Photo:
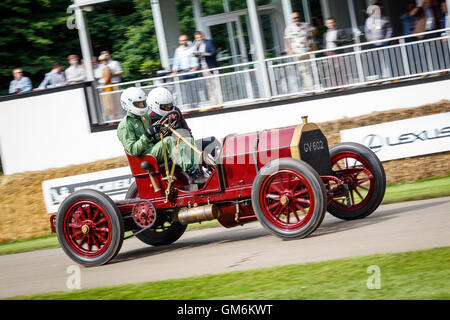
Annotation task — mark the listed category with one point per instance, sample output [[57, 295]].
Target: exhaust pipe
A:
[[198, 214]]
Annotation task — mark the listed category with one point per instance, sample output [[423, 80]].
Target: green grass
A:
[[43, 242], [422, 189], [410, 275]]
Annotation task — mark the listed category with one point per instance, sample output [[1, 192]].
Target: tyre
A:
[[289, 198], [89, 227], [362, 171], [163, 232]]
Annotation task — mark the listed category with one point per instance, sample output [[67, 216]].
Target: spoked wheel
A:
[[89, 227], [164, 230], [289, 198], [361, 170]]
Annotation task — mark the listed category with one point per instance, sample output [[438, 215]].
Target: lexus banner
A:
[[114, 183], [404, 138]]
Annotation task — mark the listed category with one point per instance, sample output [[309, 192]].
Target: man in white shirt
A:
[[377, 26], [298, 40], [114, 66], [184, 61], [332, 39], [75, 73]]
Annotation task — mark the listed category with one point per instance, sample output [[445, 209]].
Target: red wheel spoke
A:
[[102, 229], [288, 185], [89, 243], [362, 187], [278, 212], [274, 205], [299, 193], [298, 206], [94, 217], [362, 180], [273, 196], [88, 211], [276, 187], [102, 220], [296, 216], [82, 213], [305, 201], [295, 185], [359, 194], [101, 238], [352, 197], [95, 240]]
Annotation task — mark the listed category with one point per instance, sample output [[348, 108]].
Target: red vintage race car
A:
[[286, 178]]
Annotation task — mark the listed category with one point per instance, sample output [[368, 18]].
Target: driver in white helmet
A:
[[161, 102], [138, 135]]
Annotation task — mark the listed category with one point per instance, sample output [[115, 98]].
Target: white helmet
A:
[[130, 99], [160, 101]]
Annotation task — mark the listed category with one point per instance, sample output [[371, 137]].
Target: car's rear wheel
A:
[[289, 198], [164, 231], [364, 175], [89, 227]]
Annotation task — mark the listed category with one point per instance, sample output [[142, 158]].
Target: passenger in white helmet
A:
[[160, 101], [138, 135]]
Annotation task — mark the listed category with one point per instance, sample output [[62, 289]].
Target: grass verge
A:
[[419, 190], [337, 279]]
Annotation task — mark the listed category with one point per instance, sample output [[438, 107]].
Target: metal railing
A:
[[223, 86], [294, 75]]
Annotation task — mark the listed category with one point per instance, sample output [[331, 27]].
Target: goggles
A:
[[166, 107], [140, 104]]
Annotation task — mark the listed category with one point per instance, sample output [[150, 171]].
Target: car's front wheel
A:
[[289, 198], [89, 227]]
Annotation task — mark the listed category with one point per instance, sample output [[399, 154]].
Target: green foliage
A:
[[34, 34]]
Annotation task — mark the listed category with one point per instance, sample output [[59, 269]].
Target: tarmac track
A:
[[397, 227]]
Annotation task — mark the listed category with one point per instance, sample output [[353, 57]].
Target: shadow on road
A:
[[329, 226], [222, 236]]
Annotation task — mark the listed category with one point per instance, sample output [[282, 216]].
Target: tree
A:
[[33, 35]]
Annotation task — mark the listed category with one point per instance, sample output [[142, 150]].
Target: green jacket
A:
[[131, 133]]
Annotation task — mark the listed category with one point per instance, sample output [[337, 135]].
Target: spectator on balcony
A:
[[377, 26], [113, 65], [184, 61], [408, 18], [421, 21], [97, 68], [298, 40], [109, 107], [445, 21], [432, 16], [20, 84], [333, 37], [75, 73], [205, 51], [55, 78]]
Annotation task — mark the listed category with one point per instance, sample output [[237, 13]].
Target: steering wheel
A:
[[169, 121]]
